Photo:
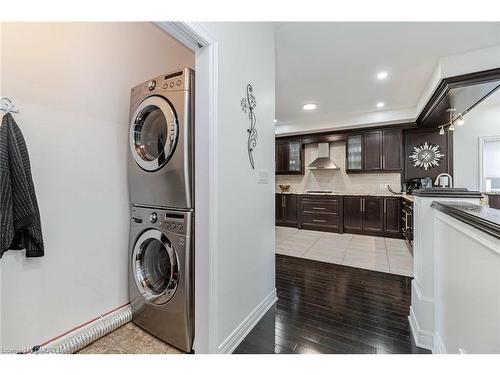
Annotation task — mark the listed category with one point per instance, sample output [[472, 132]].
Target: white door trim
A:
[[205, 46], [482, 141]]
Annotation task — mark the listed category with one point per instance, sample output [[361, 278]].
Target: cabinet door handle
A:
[[383, 162], [319, 208], [319, 221], [283, 201]]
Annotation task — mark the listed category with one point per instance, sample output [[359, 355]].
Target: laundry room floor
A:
[[129, 339]]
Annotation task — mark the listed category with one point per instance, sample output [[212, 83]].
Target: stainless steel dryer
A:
[[161, 278], [161, 162]]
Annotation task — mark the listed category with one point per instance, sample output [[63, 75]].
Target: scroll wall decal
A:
[[248, 105]]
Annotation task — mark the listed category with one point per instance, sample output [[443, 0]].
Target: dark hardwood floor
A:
[[329, 308]]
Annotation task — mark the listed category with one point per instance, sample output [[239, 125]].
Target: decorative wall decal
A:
[[248, 105], [426, 156]]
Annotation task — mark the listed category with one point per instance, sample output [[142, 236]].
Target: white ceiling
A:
[[335, 64]]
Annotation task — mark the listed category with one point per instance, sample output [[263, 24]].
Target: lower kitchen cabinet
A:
[[287, 210], [392, 215], [353, 213], [372, 215], [322, 213]]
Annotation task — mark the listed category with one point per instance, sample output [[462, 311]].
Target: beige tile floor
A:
[[129, 339], [374, 253]]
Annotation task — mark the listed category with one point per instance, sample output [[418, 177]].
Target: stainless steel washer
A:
[[161, 278], [161, 160]]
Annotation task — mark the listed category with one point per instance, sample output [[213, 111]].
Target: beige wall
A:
[[71, 82], [338, 180]]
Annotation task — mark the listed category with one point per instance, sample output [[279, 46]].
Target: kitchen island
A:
[[467, 284]]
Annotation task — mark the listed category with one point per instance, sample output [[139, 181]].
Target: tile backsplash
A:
[[338, 180]]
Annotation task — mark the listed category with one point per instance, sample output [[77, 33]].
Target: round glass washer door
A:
[[155, 267], [153, 133]]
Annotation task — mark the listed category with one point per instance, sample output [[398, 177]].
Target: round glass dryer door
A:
[[155, 267], [153, 133]]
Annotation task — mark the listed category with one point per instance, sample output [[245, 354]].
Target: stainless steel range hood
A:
[[323, 160]]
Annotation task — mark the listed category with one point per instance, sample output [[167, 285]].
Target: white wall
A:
[[484, 120], [243, 221], [72, 84], [338, 180]]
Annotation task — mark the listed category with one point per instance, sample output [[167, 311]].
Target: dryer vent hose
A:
[[86, 336]]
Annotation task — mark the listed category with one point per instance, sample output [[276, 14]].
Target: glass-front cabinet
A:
[[289, 157], [354, 152]]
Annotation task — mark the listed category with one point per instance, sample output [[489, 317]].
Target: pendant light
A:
[[460, 120], [441, 130]]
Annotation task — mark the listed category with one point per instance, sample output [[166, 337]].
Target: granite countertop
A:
[[447, 193], [492, 192], [406, 196], [483, 218]]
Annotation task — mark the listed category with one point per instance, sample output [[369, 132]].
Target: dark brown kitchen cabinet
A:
[[375, 151], [392, 215], [321, 212], [287, 210], [392, 150], [353, 214], [354, 153], [279, 212], [372, 151], [373, 214], [289, 156]]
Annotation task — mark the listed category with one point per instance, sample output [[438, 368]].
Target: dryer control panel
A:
[[178, 222], [176, 81]]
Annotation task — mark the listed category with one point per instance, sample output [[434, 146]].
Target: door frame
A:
[[205, 46]]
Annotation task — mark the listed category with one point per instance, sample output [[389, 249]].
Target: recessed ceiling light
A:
[[382, 75], [309, 106], [380, 104]]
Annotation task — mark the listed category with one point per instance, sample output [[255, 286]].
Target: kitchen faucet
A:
[[450, 183]]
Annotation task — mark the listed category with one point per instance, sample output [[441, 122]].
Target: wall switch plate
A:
[[263, 177]]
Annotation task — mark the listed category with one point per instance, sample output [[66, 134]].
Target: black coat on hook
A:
[[20, 226]]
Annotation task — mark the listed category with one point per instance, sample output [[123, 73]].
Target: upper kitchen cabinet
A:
[[354, 153], [289, 157], [392, 150], [375, 151], [372, 151]]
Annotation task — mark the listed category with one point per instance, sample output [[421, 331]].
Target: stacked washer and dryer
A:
[[161, 182]]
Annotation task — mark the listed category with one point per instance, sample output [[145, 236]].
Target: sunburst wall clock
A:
[[426, 156]]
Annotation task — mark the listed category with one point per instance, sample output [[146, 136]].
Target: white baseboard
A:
[[244, 328], [423, 339], [439, 347]]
